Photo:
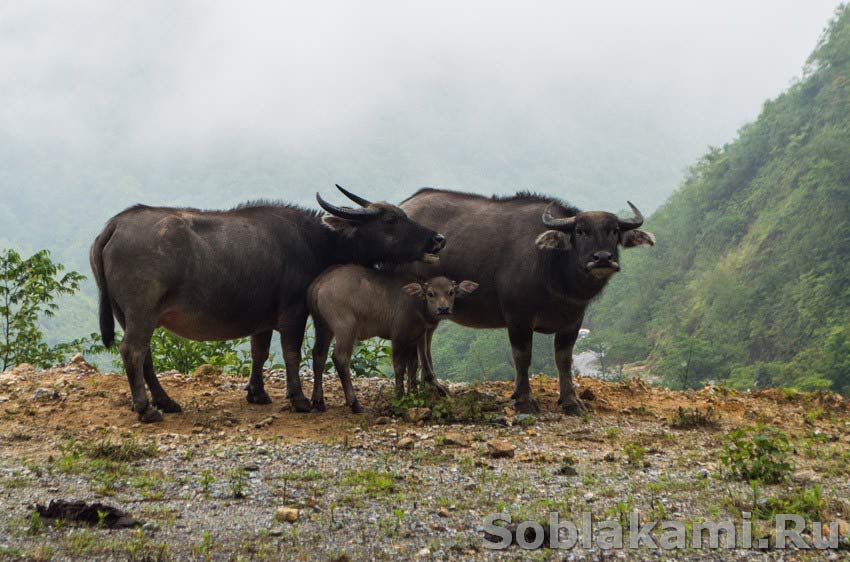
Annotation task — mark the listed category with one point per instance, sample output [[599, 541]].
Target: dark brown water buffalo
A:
[[352, 303], [540, 263], [218, 275]]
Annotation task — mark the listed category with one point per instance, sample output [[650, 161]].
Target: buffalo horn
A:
[[347, 212], [567, 223], [632, 223], [356, 198]]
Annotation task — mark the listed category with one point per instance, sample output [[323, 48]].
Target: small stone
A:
[[443, 512], [45, 394], [414, 415], [610, 457], [286, 515], [843, 528], [456, 439], [509, 411], [589, 497], [424, 552], [383, 420], [150, 527], [588, 395], [525, 420], [405, 443], [264, 422], [566, 470], [803, 476], [500, 449], [251, 467]]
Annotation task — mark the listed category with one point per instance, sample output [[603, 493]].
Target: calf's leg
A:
[[291, 339], [342, 362], [324, 336], [134, 348], [160, 398], [428, 376], [400, 357], [260, 344]]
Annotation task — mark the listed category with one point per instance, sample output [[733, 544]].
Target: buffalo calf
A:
[[353, 303]]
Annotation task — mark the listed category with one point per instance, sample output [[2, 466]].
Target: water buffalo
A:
[[217, 275], [353, 303], [543, 261]]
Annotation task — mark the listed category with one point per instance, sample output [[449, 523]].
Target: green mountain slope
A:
[[750, 279]]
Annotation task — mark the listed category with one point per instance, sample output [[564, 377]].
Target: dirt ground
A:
[[208, 483]]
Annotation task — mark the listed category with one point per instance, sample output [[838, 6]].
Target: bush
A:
[[759, 454]]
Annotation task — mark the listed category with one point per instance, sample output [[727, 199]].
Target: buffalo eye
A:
[[431, 294], [580, 232]]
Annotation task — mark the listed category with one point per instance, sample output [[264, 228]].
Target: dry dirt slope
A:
[[208, 483]]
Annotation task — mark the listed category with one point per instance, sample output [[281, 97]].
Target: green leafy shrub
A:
[[759, 454]]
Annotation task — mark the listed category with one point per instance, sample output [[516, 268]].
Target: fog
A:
[[590, 102]]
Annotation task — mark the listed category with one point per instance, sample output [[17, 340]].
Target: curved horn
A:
[[568, 223], [632, 223], [346, 212], [356, 198]]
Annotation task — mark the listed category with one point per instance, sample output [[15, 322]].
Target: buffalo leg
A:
[[260, 344], [160, 398], [320, 357], [412, 371], [134, 348], [291, 338], [567, 399], [428, 376], [521, 337], [342, 362], [401, 356]]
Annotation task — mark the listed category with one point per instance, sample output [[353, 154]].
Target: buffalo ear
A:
[[553, 240], [414, 290], [337, 224], [465, 288], [635, 238]]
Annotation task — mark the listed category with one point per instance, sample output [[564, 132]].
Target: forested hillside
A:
[[750, 281]]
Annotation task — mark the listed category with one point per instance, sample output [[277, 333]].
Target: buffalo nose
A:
[[439, 242], [601, 256], [444, 310]]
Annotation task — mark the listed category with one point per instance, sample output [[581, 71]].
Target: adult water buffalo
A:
[[218, 275], [539, 262]]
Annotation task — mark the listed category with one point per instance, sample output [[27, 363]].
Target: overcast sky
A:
[[188, 72]]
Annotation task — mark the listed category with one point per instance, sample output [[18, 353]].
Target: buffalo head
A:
[[594, 237], [440, 293], [382, 232]]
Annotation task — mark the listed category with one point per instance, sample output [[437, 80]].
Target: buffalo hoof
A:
[[574, 408], [301, 404], [527, 406], [356, 407], [150, 415], [168, 406], [258, 397], [437, 387], [319, 405]]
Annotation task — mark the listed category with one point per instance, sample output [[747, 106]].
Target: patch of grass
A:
[[807, 502], [126, 449], [635, 454], [612, 432], [694, 418], [759, 453], [236, 480], [372, 482], [309, 475], [203, 548]]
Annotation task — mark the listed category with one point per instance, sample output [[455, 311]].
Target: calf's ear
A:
[[465, 288], [343, 226], [635, 238], [553, 240], [414, 290]]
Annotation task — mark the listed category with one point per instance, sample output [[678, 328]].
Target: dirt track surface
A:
[[215, 482]]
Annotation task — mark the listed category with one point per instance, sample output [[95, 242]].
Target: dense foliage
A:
[[750, 282]]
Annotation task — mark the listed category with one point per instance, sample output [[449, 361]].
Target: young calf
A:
[[354, 303]]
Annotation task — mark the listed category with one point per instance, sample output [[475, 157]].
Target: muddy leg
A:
[[134, 348], [291, 338], [412, 371], [567, 399], [260, 344], [320, 357], [520, 336], [160, 398], [342, 361], [428, 376], [399, 365]]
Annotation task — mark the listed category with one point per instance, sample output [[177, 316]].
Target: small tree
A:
[[28, 288]]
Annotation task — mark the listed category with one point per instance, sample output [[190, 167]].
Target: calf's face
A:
[[439, 294]]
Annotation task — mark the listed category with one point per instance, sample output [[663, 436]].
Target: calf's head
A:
[[439, 294], [383, 232], [594, 237]]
